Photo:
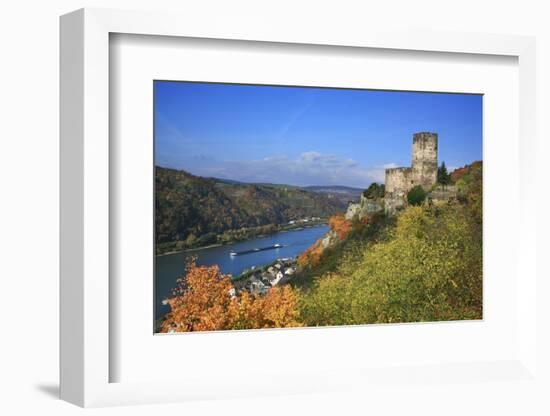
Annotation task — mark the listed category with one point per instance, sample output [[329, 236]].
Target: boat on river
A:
[[255, 250]]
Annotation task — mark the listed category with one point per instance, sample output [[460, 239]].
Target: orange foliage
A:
[[312, 256], [203, 303], [340, 226], [460, 172], [277, 309]]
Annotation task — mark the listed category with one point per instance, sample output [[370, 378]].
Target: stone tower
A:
[[424, 159], [399, 181]]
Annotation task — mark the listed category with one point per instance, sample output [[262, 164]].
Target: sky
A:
[[307, 136]]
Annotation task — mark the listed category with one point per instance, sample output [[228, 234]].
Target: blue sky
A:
[[307, 136]]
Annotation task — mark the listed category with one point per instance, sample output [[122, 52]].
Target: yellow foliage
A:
[[430, 268]]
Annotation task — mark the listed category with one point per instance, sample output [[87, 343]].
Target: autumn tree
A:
[[204, 301], [201, 301], [340, 226], [277, 309]]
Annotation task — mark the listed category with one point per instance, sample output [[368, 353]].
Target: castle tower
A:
[[424, 159]]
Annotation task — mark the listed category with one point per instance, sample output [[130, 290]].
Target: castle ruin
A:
[[423, 172]]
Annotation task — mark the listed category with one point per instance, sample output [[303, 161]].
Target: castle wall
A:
[[398, 183], [424, 159], [443, 193], [398, 179]]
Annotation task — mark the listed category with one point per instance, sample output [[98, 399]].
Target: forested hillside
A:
[[425, 264], [195, 211]]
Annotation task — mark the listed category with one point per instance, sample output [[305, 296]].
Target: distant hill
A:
[[343, 193], [189, 206], [234, 182]]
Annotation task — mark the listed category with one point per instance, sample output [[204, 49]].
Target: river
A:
[[171, 266]]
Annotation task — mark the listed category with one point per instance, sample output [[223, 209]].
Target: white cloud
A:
[[390, 165], [310, 168]]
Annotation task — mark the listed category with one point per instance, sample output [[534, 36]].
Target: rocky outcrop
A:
[[363, 208]]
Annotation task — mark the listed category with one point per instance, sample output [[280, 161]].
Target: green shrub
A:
[[416, 195], [374, 191]]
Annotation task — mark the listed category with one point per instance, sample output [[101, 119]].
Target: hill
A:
[[194, 211], [343, 193], [423, 264]]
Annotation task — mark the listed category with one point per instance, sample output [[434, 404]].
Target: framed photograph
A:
[[297, 206], [288, 207]]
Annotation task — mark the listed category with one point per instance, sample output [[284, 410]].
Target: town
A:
[[258, 281]]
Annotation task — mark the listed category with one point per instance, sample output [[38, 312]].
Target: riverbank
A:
[[166, 249], [188, 250]]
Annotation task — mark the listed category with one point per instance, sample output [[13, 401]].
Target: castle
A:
[[423, 172]]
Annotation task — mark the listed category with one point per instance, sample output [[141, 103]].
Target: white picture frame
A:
[[86, 355]]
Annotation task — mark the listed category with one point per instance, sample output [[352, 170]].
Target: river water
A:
[[169, 267]]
